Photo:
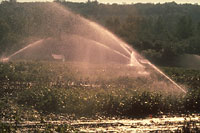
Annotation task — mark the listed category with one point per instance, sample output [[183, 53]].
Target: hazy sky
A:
[[128, 1], [142, 1]]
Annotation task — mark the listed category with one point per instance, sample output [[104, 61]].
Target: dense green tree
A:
[[113, 24], [193, 46], [198, 28], [159, 26], [4, 29], [184, 27]]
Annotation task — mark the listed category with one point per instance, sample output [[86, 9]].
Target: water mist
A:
[[77, 39]]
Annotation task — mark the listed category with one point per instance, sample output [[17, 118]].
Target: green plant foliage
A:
[[6, 128], [44, 88]]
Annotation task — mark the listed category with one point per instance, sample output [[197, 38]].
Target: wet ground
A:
[[161, 124]]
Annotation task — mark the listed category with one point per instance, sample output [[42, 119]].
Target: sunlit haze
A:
[[129, 1]]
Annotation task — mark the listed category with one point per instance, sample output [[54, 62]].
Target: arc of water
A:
[[158, 70], [41, 40], [30, 45], [115, 51], [123, 45], [105, 46]]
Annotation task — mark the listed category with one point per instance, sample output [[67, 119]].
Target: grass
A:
[[36, 90]]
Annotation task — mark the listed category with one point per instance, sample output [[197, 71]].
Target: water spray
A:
[[105, 46], [120, 42], [6, 59], [134, 62], [30, 45], [122, 48], [158, 70]]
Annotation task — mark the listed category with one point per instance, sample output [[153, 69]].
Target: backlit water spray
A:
[[133, 59], [79, 37], [6, 59], [158, 70]]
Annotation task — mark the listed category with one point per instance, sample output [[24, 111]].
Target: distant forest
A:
[[160, 32]]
